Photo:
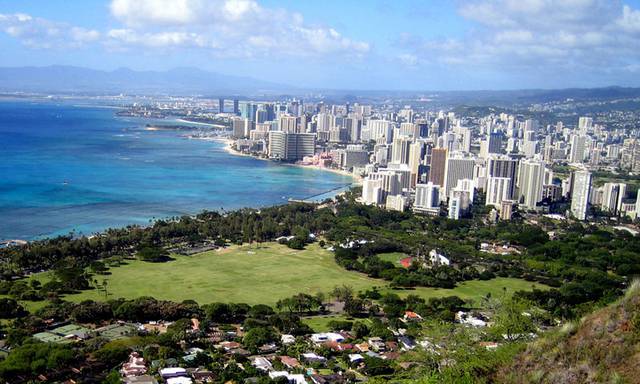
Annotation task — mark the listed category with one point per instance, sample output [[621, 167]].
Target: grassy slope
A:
[[603, 347], [265, 275], [393, 257], [477, 289], [236, 274]]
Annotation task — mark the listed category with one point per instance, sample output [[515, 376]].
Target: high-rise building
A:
[[438, 166], [613, 196], [492, 144], [631, 155], [248, 110], [396, 202], [457, 168], [355, 156], [221, 105], [503, 166], [288, 123], [498, 189], [580, 194], [354, 127], [400, 149], [371, 190], [531, 125], [239, 126], [325, 122], [291, 146], [585, 124], [577, 148], [427, 198], [454, 207], [506, 210], [531, 182], [379, 129], [423, 128], [236, 107], [465, 145], [419, 158], [378, 185], [261, 116]]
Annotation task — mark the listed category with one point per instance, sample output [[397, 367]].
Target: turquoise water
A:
[[66, 168]]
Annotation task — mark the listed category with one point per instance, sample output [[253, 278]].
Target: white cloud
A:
[[41, 33], [535, 35], [164, 12], [408, 59], [238, 27], [630, 20], [158, 40], [227, 28]]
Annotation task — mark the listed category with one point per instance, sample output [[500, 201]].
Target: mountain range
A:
[[60, 79], [70, 79]]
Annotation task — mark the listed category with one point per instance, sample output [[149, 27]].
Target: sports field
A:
[[237, 274], [259, 275]]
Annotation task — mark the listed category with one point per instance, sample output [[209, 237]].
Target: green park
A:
[[255, 274]]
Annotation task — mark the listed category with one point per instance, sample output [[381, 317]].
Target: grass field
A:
[[393, 257], [258, 275], [321, 323], [237, 274], [476, 289]]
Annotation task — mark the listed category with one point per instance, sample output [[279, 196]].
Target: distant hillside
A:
[[603, 348], [69, 79]]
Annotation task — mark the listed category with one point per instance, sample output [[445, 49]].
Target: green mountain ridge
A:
[[603, 347]]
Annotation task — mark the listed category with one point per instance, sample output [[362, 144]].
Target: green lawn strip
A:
[[256, 275], [321, 323], [393, 257], [243, 274], [474, 289]]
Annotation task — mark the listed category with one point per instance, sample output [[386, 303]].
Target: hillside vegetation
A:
[[603, 347]]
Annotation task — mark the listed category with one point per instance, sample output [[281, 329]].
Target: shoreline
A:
[[218, 126], [357, 180]]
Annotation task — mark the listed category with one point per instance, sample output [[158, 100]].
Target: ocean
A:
[[67, 168]]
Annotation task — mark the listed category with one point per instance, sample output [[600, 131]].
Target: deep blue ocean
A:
[[74, 168]]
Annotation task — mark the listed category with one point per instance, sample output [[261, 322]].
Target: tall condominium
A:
[[492, 144], [531, 125], [613, 196], [239, 126], [378, 185], [419, 160], [400, 149], [354, 127], [577, 148], [498, 190], [438, 166], [457, 168], [291, 146], [503, 166], [325, 122], [585, 124], [427, 198], [531, 182], [454, 207], [580, 194], [379, 129], [288, 123]]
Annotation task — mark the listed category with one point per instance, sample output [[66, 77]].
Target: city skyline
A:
[[408, 45]]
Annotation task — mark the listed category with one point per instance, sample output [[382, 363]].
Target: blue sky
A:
[[411, 44]]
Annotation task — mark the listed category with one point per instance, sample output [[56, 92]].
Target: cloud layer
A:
[[496, 43], [41, 33], [228, 28], [512, 35]]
